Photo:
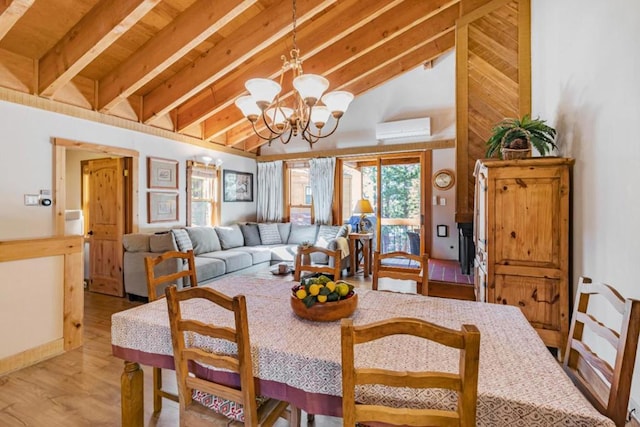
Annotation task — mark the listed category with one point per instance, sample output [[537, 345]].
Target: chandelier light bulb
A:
[[338, 101], [310, 87], [263, 91]]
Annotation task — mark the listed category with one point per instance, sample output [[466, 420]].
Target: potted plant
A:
[[513, 138]]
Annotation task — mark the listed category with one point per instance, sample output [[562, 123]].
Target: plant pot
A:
[[512, 153]]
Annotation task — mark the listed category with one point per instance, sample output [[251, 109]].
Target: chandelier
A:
[[305, 115]]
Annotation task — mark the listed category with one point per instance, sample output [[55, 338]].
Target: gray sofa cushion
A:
[[283, 253], [208, 268], [234, 260], [183, 241], [269, 234], [230, 236], [203, 239], [251, 234], [136, 242], [302, 233], [259, 254], [162, 242]]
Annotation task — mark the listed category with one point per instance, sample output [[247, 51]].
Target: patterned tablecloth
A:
[[520, 383]]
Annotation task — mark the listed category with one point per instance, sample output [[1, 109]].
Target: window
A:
[[203, 194], [299, 195]]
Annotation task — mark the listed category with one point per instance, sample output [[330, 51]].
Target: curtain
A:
[[321, 178], [270, 207]]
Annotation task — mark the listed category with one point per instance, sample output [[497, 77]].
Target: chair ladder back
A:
[[154, 281], [183, 354], [586, 368], [419, 273], [304, 253], [465, 383]]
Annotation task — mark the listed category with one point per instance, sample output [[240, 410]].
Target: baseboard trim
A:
[[31, 356]]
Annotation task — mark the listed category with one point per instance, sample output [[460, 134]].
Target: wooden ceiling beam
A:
[[384, 54], [10, 12], [95, 32], [254, 36], [382, 30], [313, 36], [192, 27]]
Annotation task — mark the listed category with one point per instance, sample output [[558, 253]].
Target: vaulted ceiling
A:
[[180, 64]]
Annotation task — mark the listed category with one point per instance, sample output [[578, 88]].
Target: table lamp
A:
[[363, 207]]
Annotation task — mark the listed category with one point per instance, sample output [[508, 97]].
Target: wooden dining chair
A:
[[167, 263], [304, 263], [464, 383], [606, 387], [201, 399], [402, 266]]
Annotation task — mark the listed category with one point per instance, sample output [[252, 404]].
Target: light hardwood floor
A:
[[82, 387]]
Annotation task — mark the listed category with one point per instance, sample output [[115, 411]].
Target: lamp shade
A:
[[263, 90], [337, 100], [248, 106], [320, 114], [279, 115], [363, 206], [310, 86]]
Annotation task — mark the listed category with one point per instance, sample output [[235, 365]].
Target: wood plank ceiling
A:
[[180, 64]]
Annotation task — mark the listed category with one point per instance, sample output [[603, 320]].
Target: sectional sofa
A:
[[222, 250]]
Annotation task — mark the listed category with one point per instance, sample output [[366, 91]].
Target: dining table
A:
[[520, 383]]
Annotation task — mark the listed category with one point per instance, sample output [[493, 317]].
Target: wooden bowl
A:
[[325, 312]]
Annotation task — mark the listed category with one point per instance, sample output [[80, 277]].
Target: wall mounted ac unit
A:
[[412, 128]]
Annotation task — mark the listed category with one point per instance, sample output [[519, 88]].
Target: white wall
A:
[[73, 175], [27, 166], [443, 247], [585, 77]]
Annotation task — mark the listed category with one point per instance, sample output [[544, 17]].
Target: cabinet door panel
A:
[[527, 223], [537, 297]]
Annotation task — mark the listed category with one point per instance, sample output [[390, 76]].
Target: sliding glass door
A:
[[394, 187]]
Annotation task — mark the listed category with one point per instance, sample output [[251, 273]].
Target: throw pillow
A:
[[204, 240], [251, 234], [302, 233], [230, 236], [269, 234], [182, 239], [162, 242]]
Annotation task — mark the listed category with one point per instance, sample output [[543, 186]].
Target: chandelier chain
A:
[[295, 42]]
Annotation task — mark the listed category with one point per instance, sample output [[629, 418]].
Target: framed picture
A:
[[237, 186], [443, 230], [162, 207], [162, 173]]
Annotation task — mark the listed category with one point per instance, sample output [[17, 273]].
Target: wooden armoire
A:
[[521, 234]]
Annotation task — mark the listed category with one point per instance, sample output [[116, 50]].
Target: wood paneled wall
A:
[[493, 77]]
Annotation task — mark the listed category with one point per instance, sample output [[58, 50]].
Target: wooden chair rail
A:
[[586, 368]]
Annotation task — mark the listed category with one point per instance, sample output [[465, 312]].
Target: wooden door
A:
[[106, 225]]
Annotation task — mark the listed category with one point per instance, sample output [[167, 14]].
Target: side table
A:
[[360, 243]]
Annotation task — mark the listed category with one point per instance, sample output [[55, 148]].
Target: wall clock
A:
[[443, 179]]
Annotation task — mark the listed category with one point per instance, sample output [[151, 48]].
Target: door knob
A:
[[90, 233]]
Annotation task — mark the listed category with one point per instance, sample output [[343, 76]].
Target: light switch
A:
[[443, 201], [31, 199]]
